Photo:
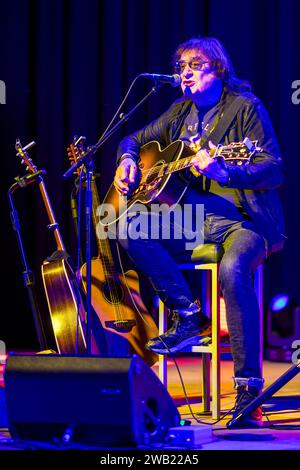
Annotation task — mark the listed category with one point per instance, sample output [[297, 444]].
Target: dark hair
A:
[[217, 55]]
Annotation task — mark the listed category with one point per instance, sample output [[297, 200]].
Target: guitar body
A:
[[154, 185], [65, 306], [116, 309], [158, 170]]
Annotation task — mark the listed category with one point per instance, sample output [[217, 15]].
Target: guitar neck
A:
[[22, 153], [234, 152], [178, 165], [53, 223], [103, 245]]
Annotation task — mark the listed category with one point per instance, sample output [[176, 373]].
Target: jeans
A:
[[244, 251]]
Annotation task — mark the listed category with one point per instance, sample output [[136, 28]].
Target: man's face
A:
[[194, 81]]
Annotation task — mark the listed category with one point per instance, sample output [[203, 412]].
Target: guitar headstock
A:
[[76, 150], [25, 160], [238, 153]]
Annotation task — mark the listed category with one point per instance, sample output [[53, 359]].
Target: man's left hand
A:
[[210, 167]]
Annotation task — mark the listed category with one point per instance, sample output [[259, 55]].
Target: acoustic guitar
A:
[[158, 169], [65, 304], [116, 296]]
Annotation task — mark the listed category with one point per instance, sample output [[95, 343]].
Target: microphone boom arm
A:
[[123, 118]]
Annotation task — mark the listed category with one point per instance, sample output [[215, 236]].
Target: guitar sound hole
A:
[[153, 174], [113, 293]]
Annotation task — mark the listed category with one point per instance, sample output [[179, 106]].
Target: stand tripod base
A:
[[277, 385]]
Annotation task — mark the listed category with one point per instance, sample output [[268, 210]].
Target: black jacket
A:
[[257, 181]]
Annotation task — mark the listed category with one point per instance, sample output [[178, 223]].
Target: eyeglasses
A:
[[194, 64]]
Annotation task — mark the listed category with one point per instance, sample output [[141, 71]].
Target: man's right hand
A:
[[125, 176]]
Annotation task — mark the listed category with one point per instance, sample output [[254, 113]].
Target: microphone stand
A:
[[88, 222], [87, 161]]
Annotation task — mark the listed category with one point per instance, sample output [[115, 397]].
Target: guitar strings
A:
[[104, 250]]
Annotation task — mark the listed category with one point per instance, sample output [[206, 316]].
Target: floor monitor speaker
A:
[[106, 401]]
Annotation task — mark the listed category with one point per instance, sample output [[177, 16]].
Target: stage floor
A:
[[281, 410]]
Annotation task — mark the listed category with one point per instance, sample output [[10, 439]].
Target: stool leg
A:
[[205, 382], [206, 292], [162, 359], [215, 318], [206, 361], [258, 286]]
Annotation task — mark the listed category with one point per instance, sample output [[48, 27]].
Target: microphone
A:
[[173, 80]]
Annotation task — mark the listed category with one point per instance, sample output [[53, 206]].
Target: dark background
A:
[[67, 65]]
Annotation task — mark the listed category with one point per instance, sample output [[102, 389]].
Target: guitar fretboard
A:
[[234, 151], [178, 165]]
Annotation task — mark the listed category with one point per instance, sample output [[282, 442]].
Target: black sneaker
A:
[[246, 395], [182, 333]]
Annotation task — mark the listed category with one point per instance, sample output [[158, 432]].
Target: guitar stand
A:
[[273, 388], [28, 276]]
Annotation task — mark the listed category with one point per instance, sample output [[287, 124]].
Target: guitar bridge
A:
[[122, 326]]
